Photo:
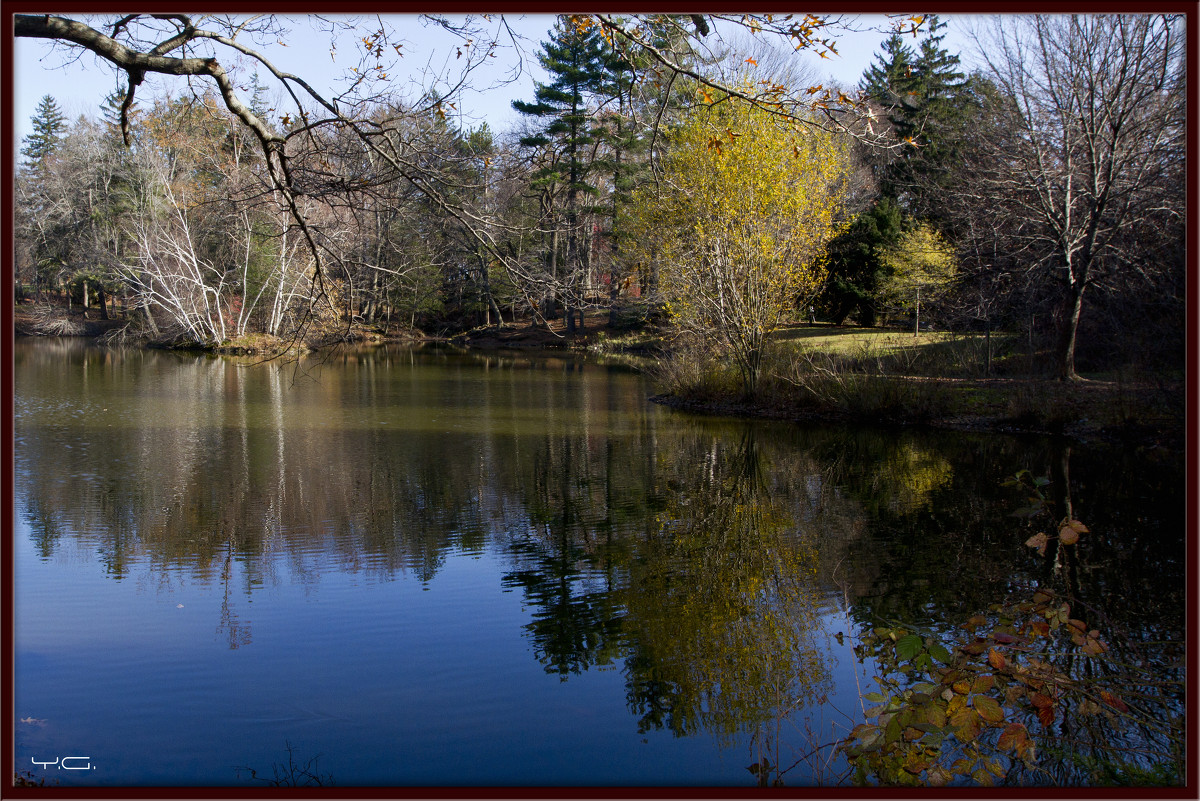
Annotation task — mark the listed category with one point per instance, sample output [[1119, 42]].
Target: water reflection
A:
[[697, 557]]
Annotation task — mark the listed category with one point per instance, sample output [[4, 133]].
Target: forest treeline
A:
[[1042, 193]]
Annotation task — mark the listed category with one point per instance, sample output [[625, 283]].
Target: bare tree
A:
[[205, 48], [1084, 161]]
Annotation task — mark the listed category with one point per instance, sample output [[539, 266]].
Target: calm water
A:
[[425, 568]]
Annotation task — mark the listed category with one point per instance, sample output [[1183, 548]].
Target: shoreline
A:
[[1082, 431], [599, 340]]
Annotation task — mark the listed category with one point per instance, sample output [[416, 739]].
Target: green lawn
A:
[[849, 339]]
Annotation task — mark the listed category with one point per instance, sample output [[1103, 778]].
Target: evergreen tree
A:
[[886, 81], [928, 102], [49, 126], [856, 262], [258, 97], [577, 61], [110, 112]]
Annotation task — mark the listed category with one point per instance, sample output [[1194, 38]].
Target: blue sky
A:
[[80, 87]]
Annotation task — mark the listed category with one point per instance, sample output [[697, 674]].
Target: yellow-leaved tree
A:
[[920, 265], [737, 226]]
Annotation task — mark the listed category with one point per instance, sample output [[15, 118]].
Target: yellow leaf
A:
[[988, 709]]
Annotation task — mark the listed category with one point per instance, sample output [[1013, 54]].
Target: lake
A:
[[421, 567]]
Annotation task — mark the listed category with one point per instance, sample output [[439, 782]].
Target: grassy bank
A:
[[937, 379], [822, 372]]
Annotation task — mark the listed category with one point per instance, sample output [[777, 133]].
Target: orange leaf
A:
[[1113, 701], [1041, 701], [1012, 735], [996, 659], [976, 648]]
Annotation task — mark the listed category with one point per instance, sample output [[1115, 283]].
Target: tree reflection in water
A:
[[698, 555], [713, 606]]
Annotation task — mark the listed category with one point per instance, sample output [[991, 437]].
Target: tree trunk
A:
[[150, 320], [917, 315], [1065, 355], [103, 299], [987, 337]]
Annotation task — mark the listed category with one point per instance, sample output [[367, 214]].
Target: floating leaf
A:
[[892, 732], [860, 731], [908, 647], [1093, 645], [983, 778], [996, 659], [938, 776], [983, 684], [976, 648], [1113, 701], [967, 723], [988, 709], [940, 653], [1013, 734]]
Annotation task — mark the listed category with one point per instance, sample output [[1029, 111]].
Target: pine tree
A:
[[928, 102], [110, 112], [577, 61], [49, 126], [888, 79]]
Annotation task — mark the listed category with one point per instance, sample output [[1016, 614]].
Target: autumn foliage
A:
[[738, 224]]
